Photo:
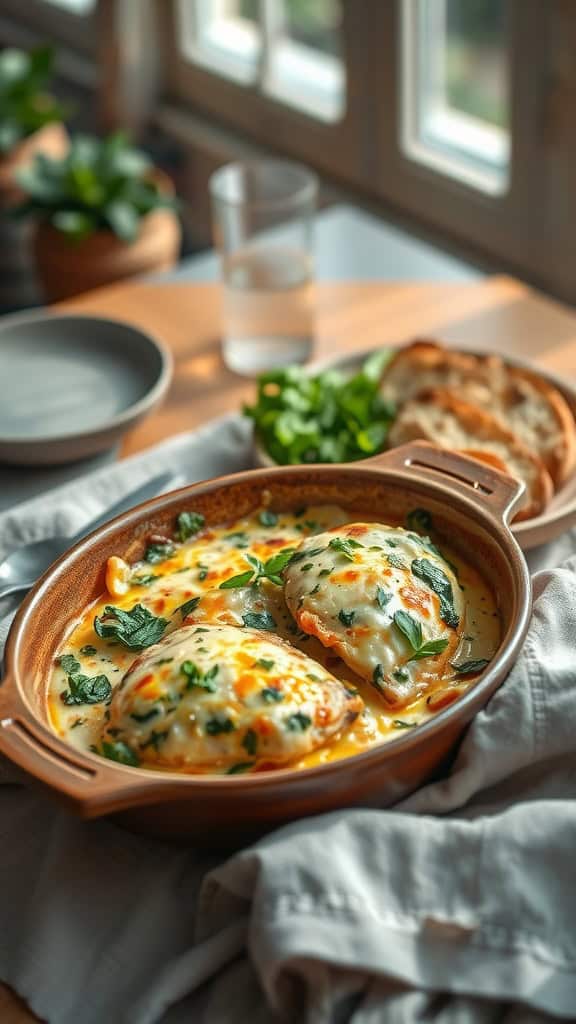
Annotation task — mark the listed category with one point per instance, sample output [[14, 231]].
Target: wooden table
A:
[[498, 313]]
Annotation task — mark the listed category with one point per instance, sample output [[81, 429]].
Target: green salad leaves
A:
[[323, 418]]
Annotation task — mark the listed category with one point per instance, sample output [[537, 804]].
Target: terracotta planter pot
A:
[[18, 285], [67, 268], [51, 140]]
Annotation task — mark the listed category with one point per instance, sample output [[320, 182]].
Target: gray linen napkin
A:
[[457, 906]]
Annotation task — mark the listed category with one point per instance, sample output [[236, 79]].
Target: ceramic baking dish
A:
[[470, 504]]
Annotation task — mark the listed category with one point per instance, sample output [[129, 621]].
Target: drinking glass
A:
[[263, 218]]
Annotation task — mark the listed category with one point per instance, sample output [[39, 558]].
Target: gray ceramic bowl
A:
[[71, 386]]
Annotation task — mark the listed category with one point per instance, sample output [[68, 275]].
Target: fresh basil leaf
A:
[[419, 520], [188, 606], [135, 629], [345, 546], [259, 620], [275, 564], [434, 577], [383, 597], [430, 648], [410, 628], [156, 553], [121, 752], [268, 518], [250, 742], [346, 618], [298, 722], [467, 668], [242, 580]]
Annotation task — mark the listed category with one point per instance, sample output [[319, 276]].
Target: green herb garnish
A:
[[268, 518], [188, 607], [135, 629], [412, 630], [88, 650], [399, 723], [383, 597], [239, 768], [271, 695], [396, 562], [250, 742], [430, 648], [300, 418], [467, 668], [326, 572], [188, 524], [143, 581], [269, 570], [195, 677], [145, 716], [345, 546], [217, 726], [298, 722], [121, 752], [259, 620], [241, 580], [265, 663], [158, 552], [346, 618], [83, 689], [433, 576], [154, 740]]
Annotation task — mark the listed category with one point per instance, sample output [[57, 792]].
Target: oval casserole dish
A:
[[470, 504]]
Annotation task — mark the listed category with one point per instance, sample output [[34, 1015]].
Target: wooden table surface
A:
[[496, 313]]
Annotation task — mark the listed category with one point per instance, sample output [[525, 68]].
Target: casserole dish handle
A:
[[496, 491], [91, 789]]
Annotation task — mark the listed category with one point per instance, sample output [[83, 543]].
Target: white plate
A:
[[560, 514]]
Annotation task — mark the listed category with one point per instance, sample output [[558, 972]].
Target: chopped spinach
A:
[[195, 677], [396, 562], [268, 518], [345, 546], [271, 695], [259, 620], [155, 739], [399, 723], [217, 726], [383, 597], [239, 768], [250, 742], [143, 581], [265, 663], [135, 629], [83, 689], [88, 650], [346, 618], [119, 751], [188, 524], [298, 722], [156, 553]]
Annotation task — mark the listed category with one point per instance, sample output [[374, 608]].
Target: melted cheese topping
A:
[[381, 597], [182, 586]]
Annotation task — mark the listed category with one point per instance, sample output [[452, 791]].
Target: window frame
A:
[[76, 31]]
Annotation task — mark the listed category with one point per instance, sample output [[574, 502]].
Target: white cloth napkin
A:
[[458, 906]]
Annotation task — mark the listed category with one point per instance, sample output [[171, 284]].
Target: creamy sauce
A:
[[200, 565]]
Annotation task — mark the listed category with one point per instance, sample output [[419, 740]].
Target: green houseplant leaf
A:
[[25, 107], [100, 185]]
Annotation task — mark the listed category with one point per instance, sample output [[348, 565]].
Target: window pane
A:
[[221, 35], [305, 67], [74, 6], [455, 78]]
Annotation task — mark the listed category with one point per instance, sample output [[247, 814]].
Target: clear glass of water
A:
[[263, 218]]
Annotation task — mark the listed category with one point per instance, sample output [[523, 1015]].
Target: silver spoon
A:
[[21, 568]]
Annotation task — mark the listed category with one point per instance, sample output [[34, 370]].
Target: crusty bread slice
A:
[[521, 399], [439, 416]]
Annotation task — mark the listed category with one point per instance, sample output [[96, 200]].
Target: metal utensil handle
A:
[[465, 475]]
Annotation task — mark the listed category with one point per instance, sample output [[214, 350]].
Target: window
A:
[[455, 89], [288, 49]]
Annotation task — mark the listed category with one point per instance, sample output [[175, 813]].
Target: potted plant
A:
[[101, 213], [30, 123]]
